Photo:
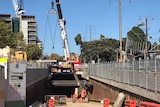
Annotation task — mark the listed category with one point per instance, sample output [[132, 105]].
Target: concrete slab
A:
[[119, 100]]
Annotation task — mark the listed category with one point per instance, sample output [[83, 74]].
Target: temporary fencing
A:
[[58, 99], [130, 103], [106, 102], [148, 104]]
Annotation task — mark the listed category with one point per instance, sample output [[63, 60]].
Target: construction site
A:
[[71, 82]]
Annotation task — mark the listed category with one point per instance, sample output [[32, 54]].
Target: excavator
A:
[[63, 73]]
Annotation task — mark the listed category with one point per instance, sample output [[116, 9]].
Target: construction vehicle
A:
[[69, 59], [63, 73], [13, 56], [18, 56]]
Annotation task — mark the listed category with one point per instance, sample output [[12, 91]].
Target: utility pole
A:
[[146, 45], [90, 33], [120, 29], [146, 38], [90, 30]]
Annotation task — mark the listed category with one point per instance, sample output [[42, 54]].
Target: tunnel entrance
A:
[[63, 84], [67, 90]]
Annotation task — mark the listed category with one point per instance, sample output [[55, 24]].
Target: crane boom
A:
[[18, 7], [62, 24]]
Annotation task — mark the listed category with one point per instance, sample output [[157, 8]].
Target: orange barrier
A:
[[130, 103], [148, 104], [106, 102], [51, 102], [83, 93]]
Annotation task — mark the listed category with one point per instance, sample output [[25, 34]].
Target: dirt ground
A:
[[77, 104], [71, 104]]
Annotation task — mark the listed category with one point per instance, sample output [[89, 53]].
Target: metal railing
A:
[[35, 65], [142, 73], [32, 65]]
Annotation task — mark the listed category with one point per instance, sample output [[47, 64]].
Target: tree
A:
[[136, 34], [136, 45], [16, 42], [54, 56], [19, 37], [33, 52], [7, 38], [78, 40], [103, 49]]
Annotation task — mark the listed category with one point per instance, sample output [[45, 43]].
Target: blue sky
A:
[[88, 17]]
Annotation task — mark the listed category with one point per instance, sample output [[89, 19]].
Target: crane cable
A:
[[48, 23]]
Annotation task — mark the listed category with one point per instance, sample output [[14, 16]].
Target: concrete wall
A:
[[36, 92], [2, 92], [3, 81], [36, 85], [18, 91], [103, 90], [34, 75], [16, 86]]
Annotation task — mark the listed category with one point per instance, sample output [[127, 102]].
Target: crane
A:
[[68, 57], [72, 58], [62, 23], [18, 7], [65, 74]]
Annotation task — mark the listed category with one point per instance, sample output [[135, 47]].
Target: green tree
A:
[[138, 39], [7, 38], [136, 34], [78, 39], [19, 37], [33, 52], [54, 56], [103, 49]]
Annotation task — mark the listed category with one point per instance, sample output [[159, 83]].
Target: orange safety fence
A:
[[148, 104], [83, 93], [130, 103], [106, 102], [51, 102]]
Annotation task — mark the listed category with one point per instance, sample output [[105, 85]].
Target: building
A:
[[29, 29], [6, 18], [27, 24]]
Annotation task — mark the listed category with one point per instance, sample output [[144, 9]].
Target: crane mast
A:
[[18, 7], [62, 24]]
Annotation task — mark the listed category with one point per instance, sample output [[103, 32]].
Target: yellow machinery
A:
[[19, 56]]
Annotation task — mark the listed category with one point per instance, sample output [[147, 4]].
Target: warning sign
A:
[[16, 76]]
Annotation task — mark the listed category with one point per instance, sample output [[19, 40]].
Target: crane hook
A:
[[52, 10], [52, 5]]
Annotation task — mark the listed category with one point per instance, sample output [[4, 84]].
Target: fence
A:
[[142, 73], [33, 65]]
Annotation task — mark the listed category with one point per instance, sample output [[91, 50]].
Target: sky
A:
[[90, 18]]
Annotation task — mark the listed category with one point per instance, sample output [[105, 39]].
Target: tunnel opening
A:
[[62, 90], [63, 83]]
